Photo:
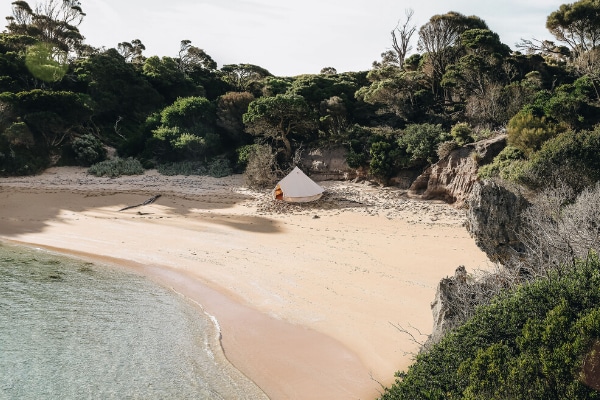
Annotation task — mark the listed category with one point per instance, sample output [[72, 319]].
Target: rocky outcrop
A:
[[329, 163], [443, 308], [451, 179], [458, 297], [493, 219]]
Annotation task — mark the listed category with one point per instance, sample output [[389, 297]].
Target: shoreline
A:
[[332, 277]]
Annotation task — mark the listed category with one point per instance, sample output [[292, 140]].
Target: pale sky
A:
[[292, 37]]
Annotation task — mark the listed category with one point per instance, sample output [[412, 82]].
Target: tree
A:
[[132, 51], [316, 88], [54, 21], [231, 108], [401, 36], [164, 75], [420, 142], [53, 116], [578, 26], [121, 97], [328, 71], [280, 118], [193, 58], [334, 117], [403, 93], [440, 38], [186, 130], [241, 76]]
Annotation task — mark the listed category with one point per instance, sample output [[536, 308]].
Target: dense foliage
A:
[[530, 343], [56, 93]]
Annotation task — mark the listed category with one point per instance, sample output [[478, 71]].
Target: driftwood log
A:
[[145, 203]]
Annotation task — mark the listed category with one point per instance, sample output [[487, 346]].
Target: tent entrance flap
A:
[[296, 187], [278, 193]]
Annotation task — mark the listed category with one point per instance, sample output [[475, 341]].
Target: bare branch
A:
[[401, 36]]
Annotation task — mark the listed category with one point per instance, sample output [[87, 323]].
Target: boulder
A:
[[494, 219], [329, 163], [451, 179], [442, 307]]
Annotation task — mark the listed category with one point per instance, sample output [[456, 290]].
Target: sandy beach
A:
[[308, 297]]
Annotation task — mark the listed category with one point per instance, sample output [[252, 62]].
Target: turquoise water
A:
[[75, 330]]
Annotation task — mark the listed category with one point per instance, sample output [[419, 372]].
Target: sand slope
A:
[[307, 296]]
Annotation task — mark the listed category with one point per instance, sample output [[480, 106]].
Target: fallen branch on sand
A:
[[145, 203]]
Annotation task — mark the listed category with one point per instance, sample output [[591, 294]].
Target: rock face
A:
[[451, 179], [329, 164], [493, 219], [443, 308]]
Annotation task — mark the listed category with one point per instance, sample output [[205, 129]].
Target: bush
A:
[[22, 161], [420, 141], [571, 157], [355, 160], [180, 168], [88, 150], [117, 167], [243, 155], [260, 171], [462, 133], [503, 164], [217, 168], [527, 344], [528, 132], [382, 160]]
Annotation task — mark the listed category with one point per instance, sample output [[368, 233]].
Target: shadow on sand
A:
[[29, 211]]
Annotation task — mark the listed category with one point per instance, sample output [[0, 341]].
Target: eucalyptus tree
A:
[[193, 58], [54, 21], [476, 79], [401, 37], [577, 25], [241, 77], [404, 94], [280, 118], [132, 51], [231, 108], [440, 42], [121, 97], [166, 77]]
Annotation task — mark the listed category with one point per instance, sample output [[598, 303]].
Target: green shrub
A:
[[420, 142], [186, 168], [381, 164], [217, 168], [21, 161], [243, 155], [570, 157], [462, 133], [527, 344], [355, 160], [502, 165], [88, 150], [117, 167], [528, 132]]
